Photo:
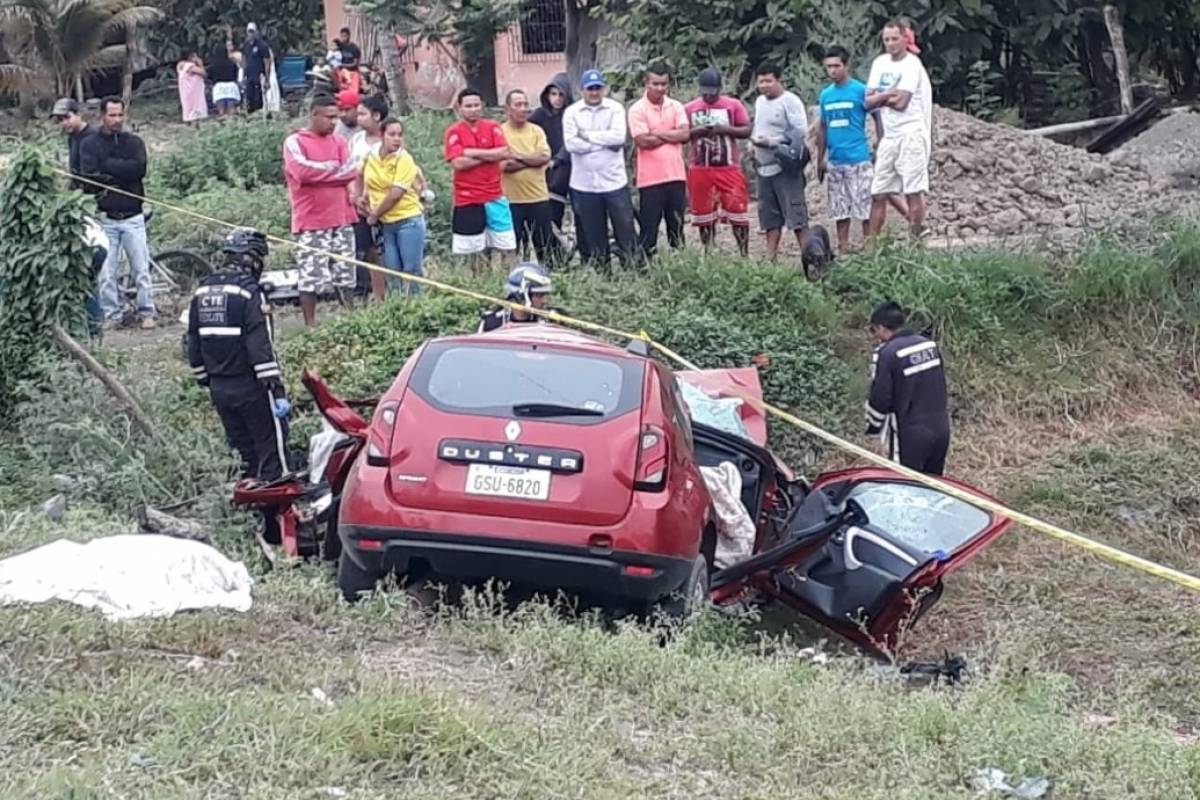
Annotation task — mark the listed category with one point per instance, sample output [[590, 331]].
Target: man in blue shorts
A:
[[475, 148]]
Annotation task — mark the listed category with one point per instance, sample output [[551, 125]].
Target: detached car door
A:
[[878, 561]]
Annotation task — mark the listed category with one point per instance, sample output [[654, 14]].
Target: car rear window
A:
[[489, 381]]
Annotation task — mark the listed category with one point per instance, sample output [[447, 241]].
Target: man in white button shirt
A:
[[594, 133], [899, 90]]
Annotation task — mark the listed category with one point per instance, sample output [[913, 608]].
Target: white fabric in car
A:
[[735, 528]]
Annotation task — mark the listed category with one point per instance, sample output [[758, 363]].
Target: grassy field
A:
[[1074, 380]]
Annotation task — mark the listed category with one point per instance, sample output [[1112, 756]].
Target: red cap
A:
[[348, 98], [910, 41]]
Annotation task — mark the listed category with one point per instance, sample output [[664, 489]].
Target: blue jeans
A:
[[403, 250], [128, 235]]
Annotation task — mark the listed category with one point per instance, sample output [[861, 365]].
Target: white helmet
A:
[[526, 280]]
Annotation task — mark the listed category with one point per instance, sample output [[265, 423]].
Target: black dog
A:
[[817, 254]]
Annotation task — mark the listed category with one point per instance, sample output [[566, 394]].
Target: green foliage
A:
[[79, 433], [265, 207], [981, 99], [1071, 98], [469, 25], [241, 154], [55, 42], [980, 302], [45, 267], [205, 25], [731, 35], [360, 354]]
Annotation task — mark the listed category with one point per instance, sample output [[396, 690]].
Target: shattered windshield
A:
[[921, 517]]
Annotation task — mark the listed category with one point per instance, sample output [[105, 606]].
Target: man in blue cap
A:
[[594, 133]]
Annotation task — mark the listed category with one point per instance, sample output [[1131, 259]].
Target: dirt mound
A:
[[1171, 149], [992, 180]]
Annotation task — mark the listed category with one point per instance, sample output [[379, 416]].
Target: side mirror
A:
[[638, 347]]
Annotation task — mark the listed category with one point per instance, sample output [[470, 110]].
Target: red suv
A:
[[531, 454], [544, 457]]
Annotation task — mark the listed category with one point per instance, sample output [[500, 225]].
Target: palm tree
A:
[[54, 43]]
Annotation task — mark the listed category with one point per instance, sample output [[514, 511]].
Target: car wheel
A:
[[352, 579], [692, 596]]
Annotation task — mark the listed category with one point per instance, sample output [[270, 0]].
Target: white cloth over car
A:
[[127, 576], [735, 529]]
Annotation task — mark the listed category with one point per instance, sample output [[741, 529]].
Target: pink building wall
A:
[[433, 75]]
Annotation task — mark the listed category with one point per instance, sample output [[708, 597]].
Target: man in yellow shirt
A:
[[524, 179]]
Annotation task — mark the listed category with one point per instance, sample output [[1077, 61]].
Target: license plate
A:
[[498, 481]]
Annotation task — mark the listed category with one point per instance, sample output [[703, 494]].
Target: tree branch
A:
[[127, 402]]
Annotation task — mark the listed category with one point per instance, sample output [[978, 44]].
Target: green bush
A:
[[82, 434], [238, 153], [264, 207], [979, 302], [45, 271], [1106, 277]]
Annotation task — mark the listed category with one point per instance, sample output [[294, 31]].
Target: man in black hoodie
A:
[[117, 159], [549, 116]]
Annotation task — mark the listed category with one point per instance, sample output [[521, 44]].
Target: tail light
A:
[[652, 460], [379, 438]]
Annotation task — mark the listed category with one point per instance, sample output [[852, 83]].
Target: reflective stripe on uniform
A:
[[279, 443], [915, 348], [226, 288], [937, 362], [220, 331]]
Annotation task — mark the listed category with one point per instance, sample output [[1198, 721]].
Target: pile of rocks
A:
[[993, 180], [1171, 149]]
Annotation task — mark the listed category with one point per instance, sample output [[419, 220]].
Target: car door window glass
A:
[[920, 517]]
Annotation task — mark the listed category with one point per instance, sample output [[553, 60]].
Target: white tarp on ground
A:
[[127, 576], [735, 529]]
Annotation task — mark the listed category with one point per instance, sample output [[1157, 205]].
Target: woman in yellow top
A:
[[394, 185]]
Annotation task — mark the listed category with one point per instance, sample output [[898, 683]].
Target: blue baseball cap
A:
[[592, 78]]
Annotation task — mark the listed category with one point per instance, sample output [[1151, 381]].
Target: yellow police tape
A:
[[1100, 549]]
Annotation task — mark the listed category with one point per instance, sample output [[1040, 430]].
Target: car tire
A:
[[692, 596], [352, 579]]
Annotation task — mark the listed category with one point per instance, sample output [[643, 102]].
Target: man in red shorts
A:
[[717, 189]]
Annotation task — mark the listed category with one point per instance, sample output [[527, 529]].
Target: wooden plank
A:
[[1116, 32], [1074, 127], [1126, 129]]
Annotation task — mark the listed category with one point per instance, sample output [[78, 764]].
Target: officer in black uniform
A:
[[907, 406], [231, 351], [527, 283]]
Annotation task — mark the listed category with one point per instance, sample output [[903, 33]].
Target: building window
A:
[[543, 29]]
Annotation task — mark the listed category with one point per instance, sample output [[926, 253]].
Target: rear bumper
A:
[[591, 571]]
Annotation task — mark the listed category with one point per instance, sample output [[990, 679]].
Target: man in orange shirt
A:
[[659, 127]]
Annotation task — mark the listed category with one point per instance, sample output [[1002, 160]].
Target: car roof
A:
[[557, 336]]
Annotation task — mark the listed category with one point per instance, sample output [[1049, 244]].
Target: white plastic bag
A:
[[272, 97]]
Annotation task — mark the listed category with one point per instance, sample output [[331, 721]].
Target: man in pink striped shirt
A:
[[318, 168]]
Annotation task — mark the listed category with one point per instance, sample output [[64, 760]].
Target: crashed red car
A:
[[541, 456]]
